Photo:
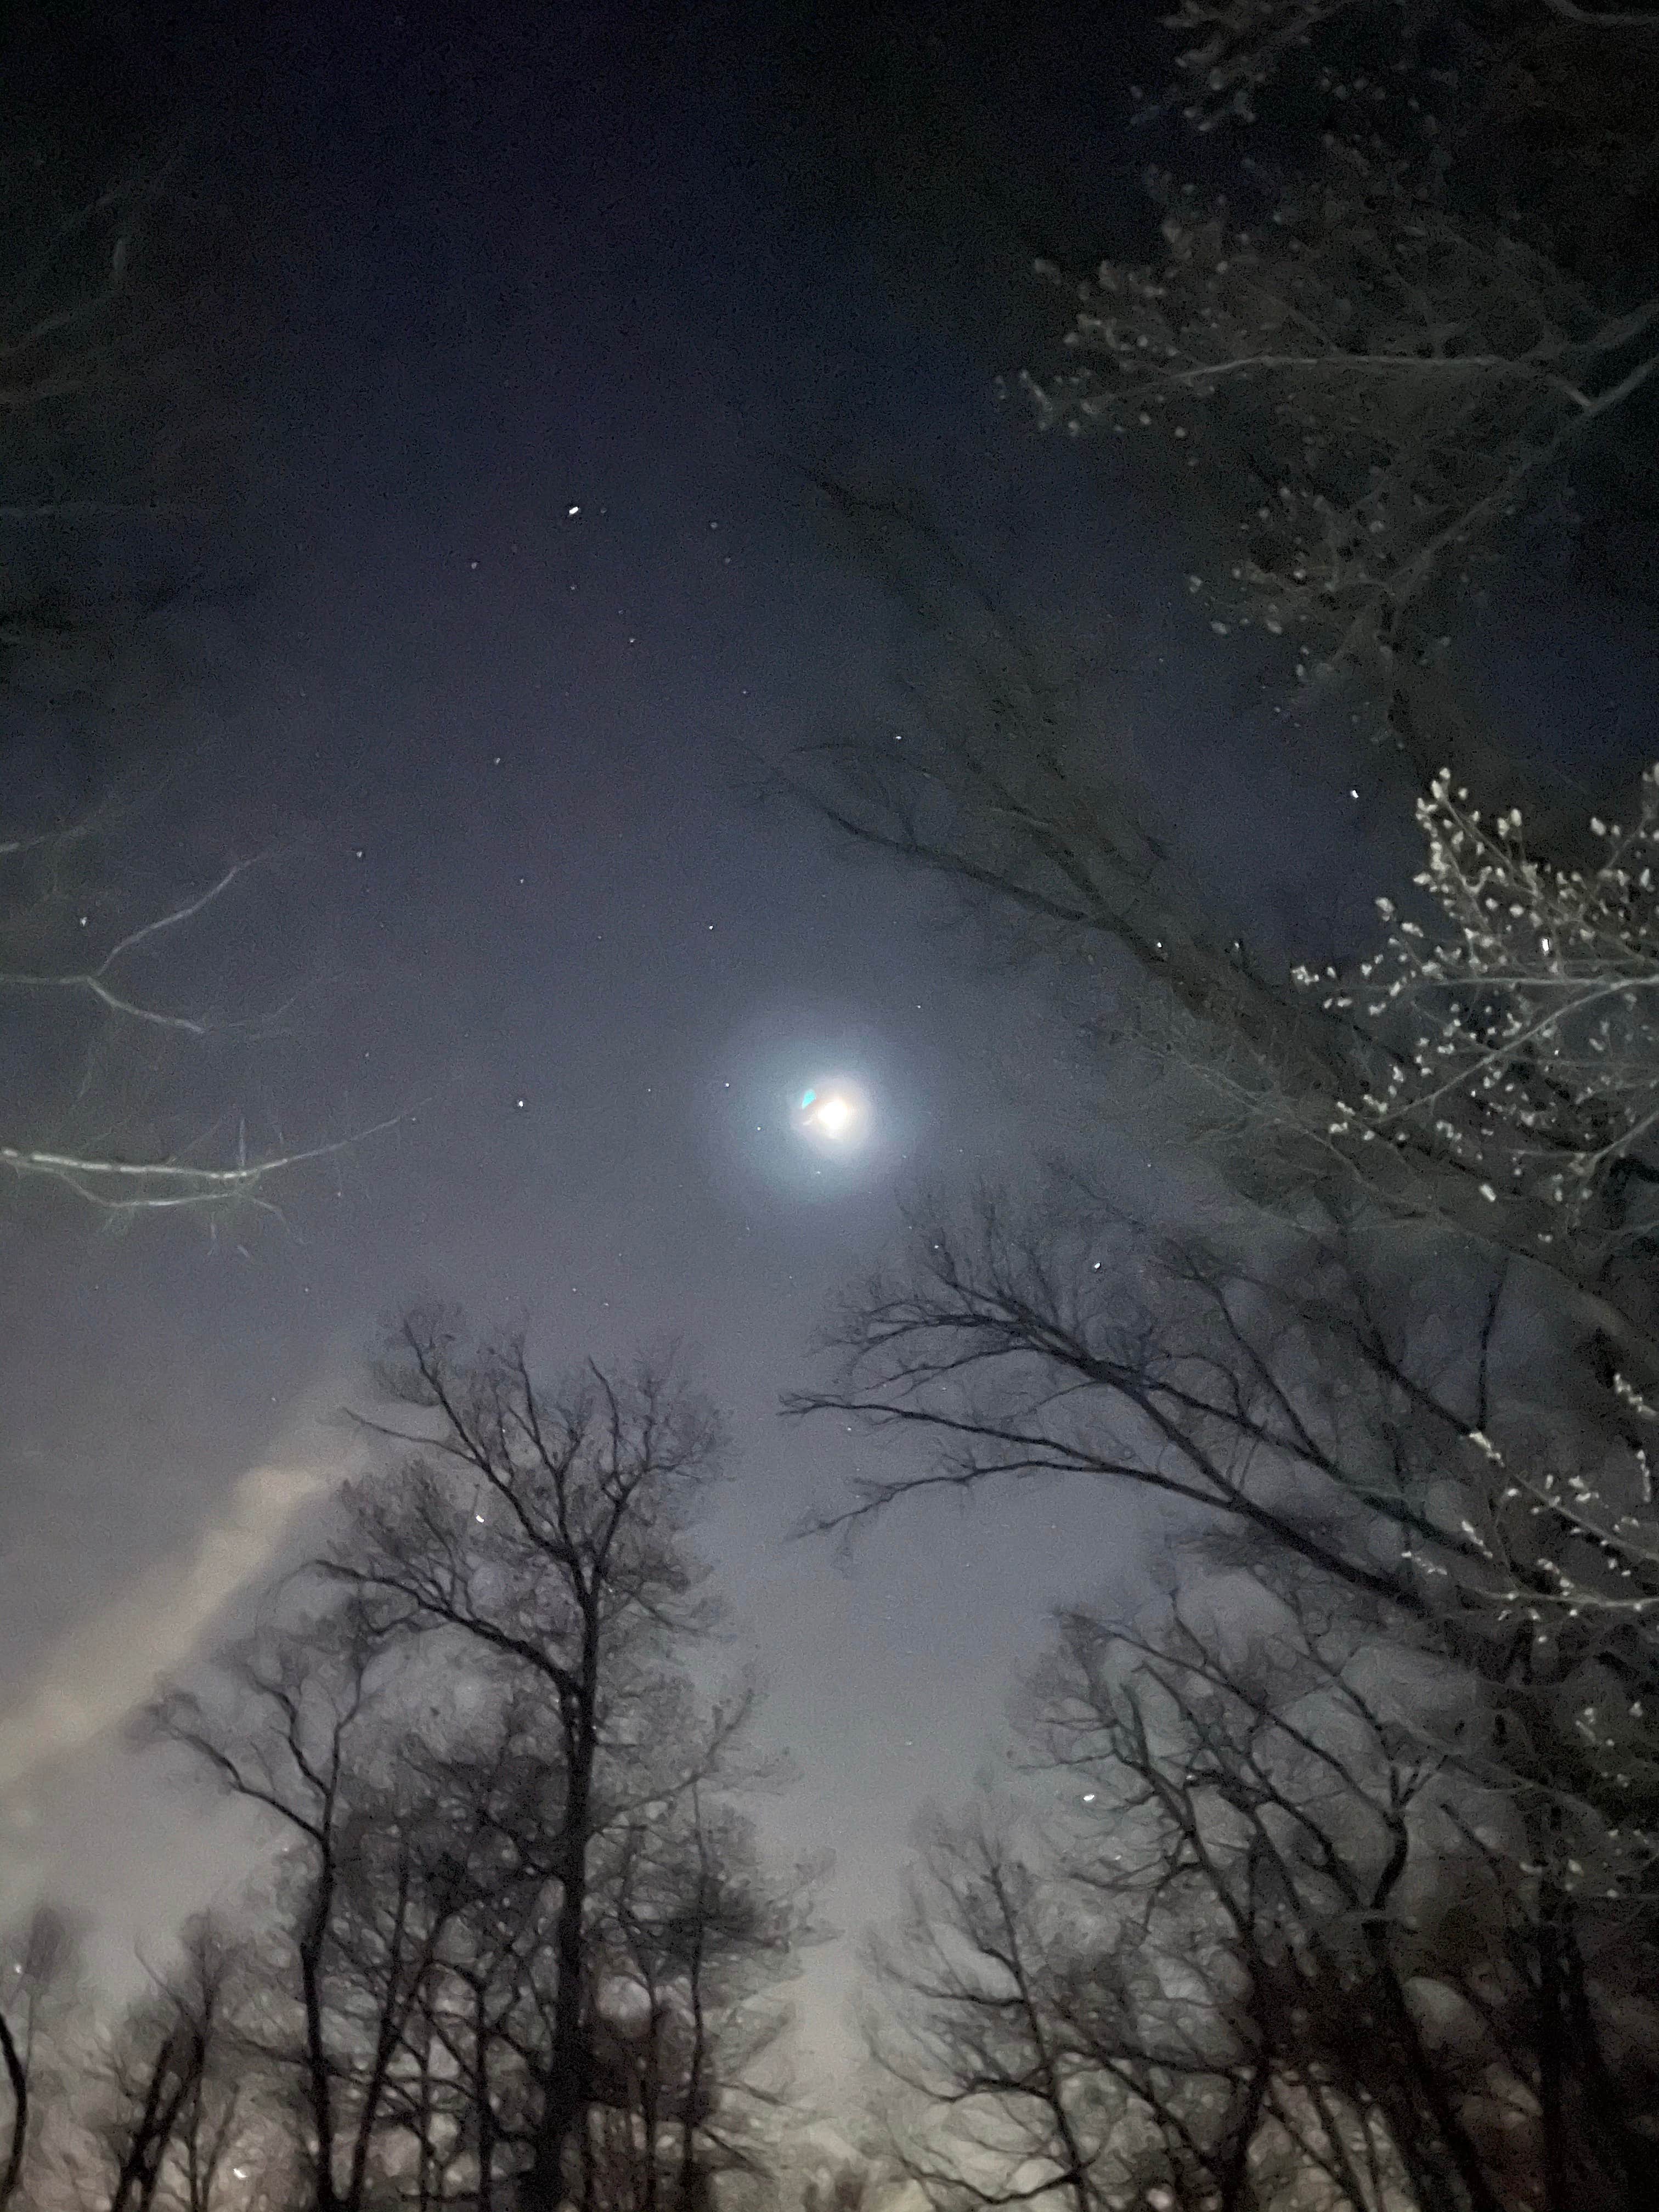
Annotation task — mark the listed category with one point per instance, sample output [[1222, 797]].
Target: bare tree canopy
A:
[[78, 977], [1251, 1928], [118, 425], [1393, 355], [1484, 1066], [526, 1947]]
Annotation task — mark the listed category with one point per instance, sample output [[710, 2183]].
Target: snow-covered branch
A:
[[1527, 1027], [1404, 378]]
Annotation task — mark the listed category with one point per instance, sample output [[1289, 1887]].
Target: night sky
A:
[[524, 577]]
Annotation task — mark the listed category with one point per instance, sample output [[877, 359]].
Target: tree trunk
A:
[[17, 2074], [565, 2094]]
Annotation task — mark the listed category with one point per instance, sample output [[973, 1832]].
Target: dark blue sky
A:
[[533, 262]]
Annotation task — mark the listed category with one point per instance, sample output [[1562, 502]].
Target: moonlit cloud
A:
[[95, 1674]]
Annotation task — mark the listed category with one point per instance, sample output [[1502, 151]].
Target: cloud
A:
[[95, 1674]]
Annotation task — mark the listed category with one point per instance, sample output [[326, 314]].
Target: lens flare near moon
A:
[[835, 1113]]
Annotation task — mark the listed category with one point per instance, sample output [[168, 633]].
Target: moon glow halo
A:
[[835, 1114]]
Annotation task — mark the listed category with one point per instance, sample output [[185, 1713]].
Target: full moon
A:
[[834, 1112]]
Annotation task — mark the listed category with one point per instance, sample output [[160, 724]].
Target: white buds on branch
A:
[[1522, 1030]]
